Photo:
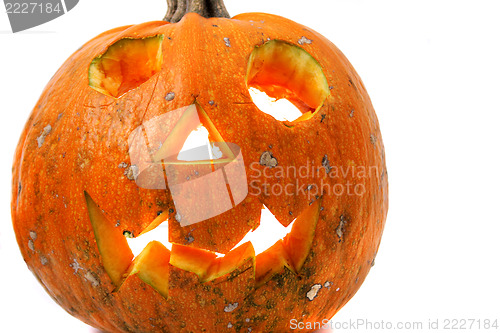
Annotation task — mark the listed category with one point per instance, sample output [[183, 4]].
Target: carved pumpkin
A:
[[99, 160]]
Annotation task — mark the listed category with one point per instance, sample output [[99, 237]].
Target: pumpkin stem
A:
[[206, 8]]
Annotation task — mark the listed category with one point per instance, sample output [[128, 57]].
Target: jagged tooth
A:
[[191, 259], [291, 252], [156, 222], [206, 265], [271, 262], [230, 262], [297, 244], [152, 266], [225, 295], [115, 253], [191, 119]]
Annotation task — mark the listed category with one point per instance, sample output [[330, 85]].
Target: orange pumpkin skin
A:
[[87, 141]]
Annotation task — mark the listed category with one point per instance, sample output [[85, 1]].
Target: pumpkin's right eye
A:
[[286, 73], [126, 65]]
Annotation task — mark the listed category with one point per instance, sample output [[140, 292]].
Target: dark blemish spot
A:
[[351, 114], [59, 116], [215, 25], [158, 213], [270, 146], [323, 116], [270, 304], [291, 213], [171, 210], [19, 188], [189, 239], [128, 234], [170, 96], [326, 164], [330, 87], [267, 159], [211, 102], [373, 263]]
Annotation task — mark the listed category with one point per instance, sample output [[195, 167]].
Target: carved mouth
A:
[[153, 263]]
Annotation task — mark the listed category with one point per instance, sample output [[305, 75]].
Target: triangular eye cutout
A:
[[198, 147], [126, 65], [198, 138], [183, 151], [194, 139]]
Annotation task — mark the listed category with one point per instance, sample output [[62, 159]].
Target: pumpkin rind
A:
[[75, 142]]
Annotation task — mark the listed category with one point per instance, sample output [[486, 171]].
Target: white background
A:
[[432, 69]]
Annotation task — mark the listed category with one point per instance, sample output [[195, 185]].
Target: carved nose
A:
[[182, 150]]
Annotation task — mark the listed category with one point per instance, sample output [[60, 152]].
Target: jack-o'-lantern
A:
[[100, 160]]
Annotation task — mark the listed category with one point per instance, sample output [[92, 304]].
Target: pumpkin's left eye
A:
[[126, 65], [286, 73]]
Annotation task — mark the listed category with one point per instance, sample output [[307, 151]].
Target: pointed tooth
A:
[[230, 262], [191, 259], [152, 266], [156, 222], [115, 253], [271, 262], [298, 242]]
